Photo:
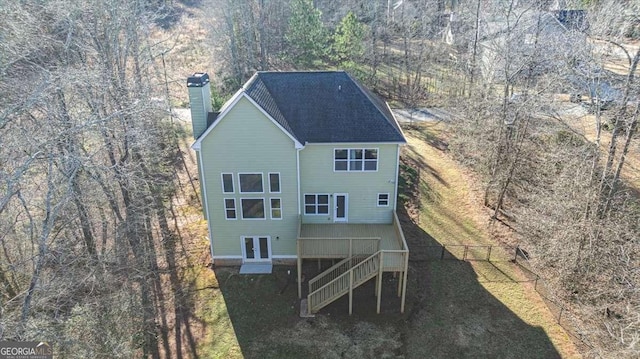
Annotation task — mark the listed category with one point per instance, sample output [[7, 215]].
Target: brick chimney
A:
[[199, 101]]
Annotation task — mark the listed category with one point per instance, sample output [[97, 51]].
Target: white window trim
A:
[[253, 219], [304, 204], [235, 208], [279, 181], [348, 149], [388, 200], [250, 173], [232, 182], [271, 209]]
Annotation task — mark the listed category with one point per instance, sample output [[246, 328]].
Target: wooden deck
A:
[[367, 250], [386, 232]]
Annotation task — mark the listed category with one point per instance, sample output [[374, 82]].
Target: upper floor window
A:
[[274, 182], [227, 183], [355, 159], [250, 182]]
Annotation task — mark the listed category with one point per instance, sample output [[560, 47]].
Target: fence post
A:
[[515, 257], [535, 284], [442, 252], [560, 314], [489, 254], [464, 256]]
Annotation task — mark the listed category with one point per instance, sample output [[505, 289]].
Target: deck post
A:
[[350, 292], [404, 281], [299, 269], [379, 281], [350, 247], [399, 283]]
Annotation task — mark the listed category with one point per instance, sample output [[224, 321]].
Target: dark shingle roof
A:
[[324, 107]]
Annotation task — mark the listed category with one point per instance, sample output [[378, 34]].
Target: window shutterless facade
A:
[[355, 159], [316, 204]]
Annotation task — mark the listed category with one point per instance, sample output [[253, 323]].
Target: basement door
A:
[[256, 249], [341, 207]]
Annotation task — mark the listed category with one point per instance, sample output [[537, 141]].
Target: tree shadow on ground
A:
[[449, 314]]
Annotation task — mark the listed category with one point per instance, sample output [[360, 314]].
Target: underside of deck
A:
[[366, 251]]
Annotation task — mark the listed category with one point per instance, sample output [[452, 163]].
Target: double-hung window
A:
[[230, 208], [276, 208], [316, 204], [355, 159]]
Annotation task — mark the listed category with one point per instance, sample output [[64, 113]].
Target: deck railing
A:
[[333, 272], [344, 283], [337, 247]]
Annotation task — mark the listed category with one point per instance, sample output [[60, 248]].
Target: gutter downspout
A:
[[298, 259], [395, 200], [203, 181], [298, 177]]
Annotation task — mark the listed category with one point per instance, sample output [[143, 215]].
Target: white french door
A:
[[256, 248]]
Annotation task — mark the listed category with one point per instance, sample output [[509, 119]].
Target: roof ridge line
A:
[[375, 102]]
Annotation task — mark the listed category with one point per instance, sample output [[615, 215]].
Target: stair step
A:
[[304, 309]]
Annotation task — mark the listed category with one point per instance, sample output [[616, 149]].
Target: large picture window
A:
[[250, 182], [252, 208], [355, 159], [316, 204]]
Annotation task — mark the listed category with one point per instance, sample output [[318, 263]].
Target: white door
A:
[[340, 207], [256, 249]]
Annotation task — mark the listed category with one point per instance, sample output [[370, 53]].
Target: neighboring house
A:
[[533, 42], [301, 165]]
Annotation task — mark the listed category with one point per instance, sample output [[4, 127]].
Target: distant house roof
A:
[[321, 107], [573, 19]]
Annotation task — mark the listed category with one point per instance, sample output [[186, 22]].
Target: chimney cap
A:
[[198, 79]]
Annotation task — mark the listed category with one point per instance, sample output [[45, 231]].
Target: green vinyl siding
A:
[[317, 176], [246, 141]]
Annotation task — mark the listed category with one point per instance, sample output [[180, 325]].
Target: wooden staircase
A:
[[342, 279]]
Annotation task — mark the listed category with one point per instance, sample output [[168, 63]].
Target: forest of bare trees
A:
[[507, 71], [90, 157], [88, 168]]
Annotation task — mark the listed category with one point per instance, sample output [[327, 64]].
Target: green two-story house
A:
[[299, 165]]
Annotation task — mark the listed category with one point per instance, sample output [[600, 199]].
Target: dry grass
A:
[[585, 125], [458, 217]]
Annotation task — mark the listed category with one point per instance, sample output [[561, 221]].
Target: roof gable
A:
[[226, 108]]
